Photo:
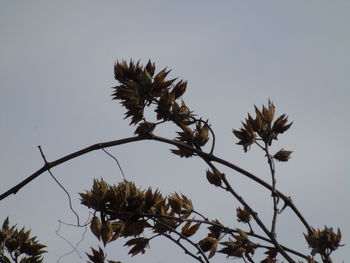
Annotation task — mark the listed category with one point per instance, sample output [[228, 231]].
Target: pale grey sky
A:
[[56, 70]]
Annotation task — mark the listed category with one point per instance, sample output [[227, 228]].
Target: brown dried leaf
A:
[[139, 244], [150, 67], [97, 256], [214, 177], [145, 128], [271, 253], [186, 203], [5, 225], [164, 225], [207, 243], [246, 136], [182, 152], [188, 230], [179, 89], [106, 232], [231, 249], [215, 230], [134, 228], [213, 248], [280, 125], [146, 79], [175, 203], [268, 113], [96, 227], [118, 228], [282, 155], [159, 78], [243, 236], [243, 215], [202, 134]]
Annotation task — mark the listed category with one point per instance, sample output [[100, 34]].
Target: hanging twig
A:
[[115, 159], [62, 187], [74, 247]]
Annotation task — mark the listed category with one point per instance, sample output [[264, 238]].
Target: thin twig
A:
[[273, 191], [211, 131], [74, 247], [200, 251], [64, 189], [201, 215], [115, 159], [183, 247]]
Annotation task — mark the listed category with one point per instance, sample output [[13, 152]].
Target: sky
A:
[[56, 74]]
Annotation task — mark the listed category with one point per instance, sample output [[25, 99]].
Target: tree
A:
[[141, 215]]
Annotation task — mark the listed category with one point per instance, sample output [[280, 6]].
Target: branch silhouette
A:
[[124, 210], [208, 156]]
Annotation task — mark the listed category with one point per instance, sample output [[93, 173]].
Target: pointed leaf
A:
[[107, 232], [282, 155], [95, 227], [188, 230]]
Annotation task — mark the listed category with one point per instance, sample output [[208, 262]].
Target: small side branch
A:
[[60, 185], [115, 159], [274, 194]]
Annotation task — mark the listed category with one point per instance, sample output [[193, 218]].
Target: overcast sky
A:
[[56, 74]]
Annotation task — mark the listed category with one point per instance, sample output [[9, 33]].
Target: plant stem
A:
[[273, 191]]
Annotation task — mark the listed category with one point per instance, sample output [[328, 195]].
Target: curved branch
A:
[[49, 165], [200, 153]]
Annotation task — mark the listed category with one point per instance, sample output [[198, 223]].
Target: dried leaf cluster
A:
[[125, 211], [19, 245], [240, 247], [323, 242], [243, 215], [141, 87], [237, 245], [263, 127]]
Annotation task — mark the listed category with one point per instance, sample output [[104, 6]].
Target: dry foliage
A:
[[18, 245], [141, 215]]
